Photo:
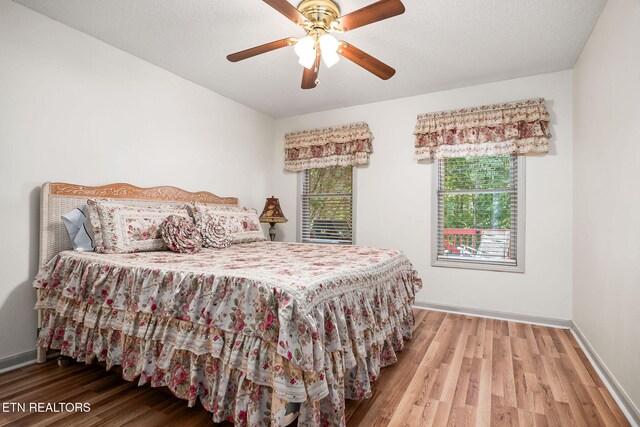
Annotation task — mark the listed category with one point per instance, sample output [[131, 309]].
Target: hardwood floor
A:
[[458, 370], [465, 371], [114, 401]]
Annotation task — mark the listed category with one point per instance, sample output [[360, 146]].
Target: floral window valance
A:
[[347, 145], [518, 127]]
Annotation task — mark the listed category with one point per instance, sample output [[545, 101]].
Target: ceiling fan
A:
[[319, 18]]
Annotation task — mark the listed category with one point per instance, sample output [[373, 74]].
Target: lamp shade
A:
[[272, 211]]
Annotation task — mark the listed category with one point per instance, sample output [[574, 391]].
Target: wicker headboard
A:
[[59, 198]]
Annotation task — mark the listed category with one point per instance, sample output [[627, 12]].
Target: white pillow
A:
[[79, 228]]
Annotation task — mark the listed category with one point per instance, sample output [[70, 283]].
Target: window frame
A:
[[300, 184], [481, 265]]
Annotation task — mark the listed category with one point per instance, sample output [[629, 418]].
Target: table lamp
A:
[[272, 214]]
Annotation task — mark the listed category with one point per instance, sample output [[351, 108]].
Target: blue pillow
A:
[[79, 229]]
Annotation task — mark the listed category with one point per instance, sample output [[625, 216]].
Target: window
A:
[[479, 213], [326, 205]]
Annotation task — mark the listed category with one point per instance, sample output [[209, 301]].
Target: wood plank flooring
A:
[[470, 371], [114, 401], [457, 371]]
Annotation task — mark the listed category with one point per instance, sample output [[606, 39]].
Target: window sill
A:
[[326, 241], [475, 265]]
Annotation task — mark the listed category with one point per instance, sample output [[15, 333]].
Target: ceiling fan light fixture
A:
[[330, 59], [318, 18], [305, 47], [307, 61], [329, 47]]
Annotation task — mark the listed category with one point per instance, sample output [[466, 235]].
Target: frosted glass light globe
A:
[[307, 61], [329, 47], [305, 49]]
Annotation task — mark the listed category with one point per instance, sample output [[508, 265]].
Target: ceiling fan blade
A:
[[366, 61], [288, 10], [375, 12], [258, 50], [310, 76]]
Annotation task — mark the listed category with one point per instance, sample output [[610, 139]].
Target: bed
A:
[[247, 330]]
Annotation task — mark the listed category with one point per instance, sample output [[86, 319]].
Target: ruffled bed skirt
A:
[[238, 377], [224, 382]]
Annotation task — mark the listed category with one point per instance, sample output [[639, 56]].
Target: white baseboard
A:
[[23, 359], [621, 397], [493, 314], [18, 360]]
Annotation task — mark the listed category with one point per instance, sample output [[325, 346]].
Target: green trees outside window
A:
[[477, 192], [327, 205]]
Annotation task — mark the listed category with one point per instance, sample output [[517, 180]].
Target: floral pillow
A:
[[181, 235], [241, 223], [122, 228], [215, 234]]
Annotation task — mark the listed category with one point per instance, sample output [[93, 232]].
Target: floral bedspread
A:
[[244, 329]]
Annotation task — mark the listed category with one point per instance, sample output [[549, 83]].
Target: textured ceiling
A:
[[434, 45]]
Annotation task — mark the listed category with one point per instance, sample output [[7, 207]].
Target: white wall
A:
[[606, 221], [77, 110], [74, 109], [394, 197]]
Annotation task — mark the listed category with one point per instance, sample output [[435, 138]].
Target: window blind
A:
[[327, 205], [477, 212]]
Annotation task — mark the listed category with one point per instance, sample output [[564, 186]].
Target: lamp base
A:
[[272, 231]]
